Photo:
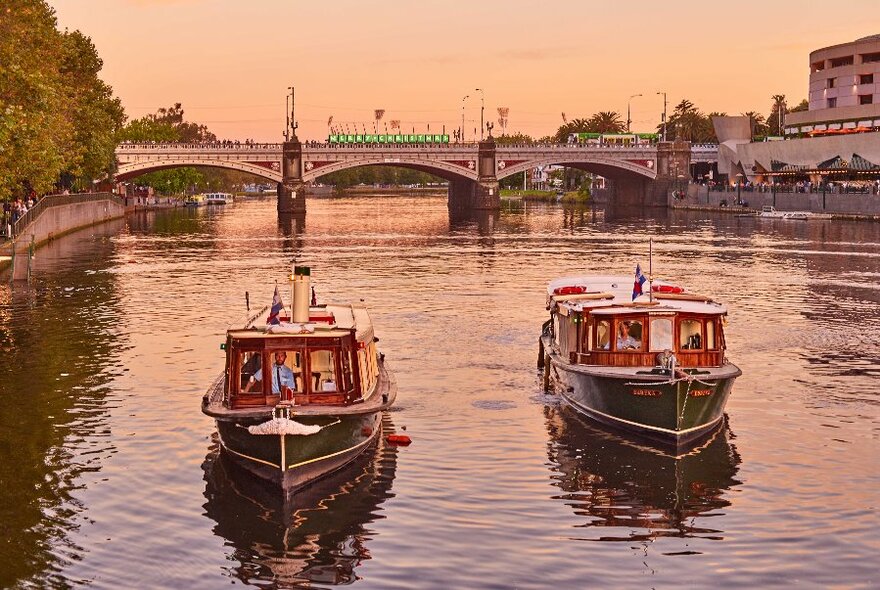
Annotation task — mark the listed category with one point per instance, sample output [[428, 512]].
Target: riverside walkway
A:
[[51, 217]]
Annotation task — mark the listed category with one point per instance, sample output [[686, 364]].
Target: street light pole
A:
[[461, 135], [664, 114], [482, 108], [739, 182], [628, 118]]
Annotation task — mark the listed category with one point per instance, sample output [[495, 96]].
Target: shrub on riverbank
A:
[[533, 195], [547, 196], [575, 197]]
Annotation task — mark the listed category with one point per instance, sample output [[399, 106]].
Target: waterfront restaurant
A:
[[836, 141]]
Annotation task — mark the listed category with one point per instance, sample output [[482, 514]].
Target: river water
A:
[[110, 475]]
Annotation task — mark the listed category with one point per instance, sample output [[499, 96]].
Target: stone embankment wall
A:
[[54, 220], [855, 204]]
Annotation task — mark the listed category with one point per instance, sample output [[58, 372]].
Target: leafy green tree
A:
[[803, 105], [33, 130], [58, 120], [168, 124], [514, 138], [584, 188], [96, 115], [369, 175]]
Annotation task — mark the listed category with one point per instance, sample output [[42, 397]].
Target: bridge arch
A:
[[133, 169], [439, 168], [603, 166]]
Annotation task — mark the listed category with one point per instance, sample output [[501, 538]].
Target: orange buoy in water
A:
[[398, 439]]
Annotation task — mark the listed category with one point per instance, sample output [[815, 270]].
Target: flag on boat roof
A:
[[640, 280], [277, 306]]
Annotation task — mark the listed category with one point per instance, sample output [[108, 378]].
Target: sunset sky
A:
[[230, 62]]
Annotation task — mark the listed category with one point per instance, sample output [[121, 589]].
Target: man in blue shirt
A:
[[282, 375]]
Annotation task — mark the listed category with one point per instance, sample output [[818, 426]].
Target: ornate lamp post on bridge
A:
[[628, 118], [482, 108], [664, 114], [461, 134]]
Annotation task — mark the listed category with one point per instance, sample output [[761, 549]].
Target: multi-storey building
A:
[[844, 89], [836, 140]]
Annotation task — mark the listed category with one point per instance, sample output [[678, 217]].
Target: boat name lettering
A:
[[701, 392], [647, 392]]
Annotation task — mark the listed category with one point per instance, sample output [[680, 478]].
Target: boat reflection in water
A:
[[316, 536], [639, 492]]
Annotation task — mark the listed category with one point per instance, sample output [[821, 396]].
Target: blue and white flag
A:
[[277, 306], [640, 280]]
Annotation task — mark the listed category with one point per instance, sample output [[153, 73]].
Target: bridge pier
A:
[[483, 194], [630, 193], [291, 189], [291, 198], [637, 193], [673, 170], [466, 196]]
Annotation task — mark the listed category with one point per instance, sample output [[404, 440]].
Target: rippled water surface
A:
[[110, 475]]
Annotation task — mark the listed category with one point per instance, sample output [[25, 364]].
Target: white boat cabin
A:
[[595, 321], [218, 198]]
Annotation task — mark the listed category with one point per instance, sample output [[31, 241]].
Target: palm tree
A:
[[756, 121], [777, 113], [606, 122], [573, 126], [684, 122]]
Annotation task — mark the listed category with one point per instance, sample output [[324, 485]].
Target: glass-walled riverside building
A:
[[844, 89]]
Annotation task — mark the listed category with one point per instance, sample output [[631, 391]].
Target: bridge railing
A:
[[56, 201], [245, 147], [197, 146]]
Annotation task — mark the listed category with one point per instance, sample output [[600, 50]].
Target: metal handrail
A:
[[56, 201]]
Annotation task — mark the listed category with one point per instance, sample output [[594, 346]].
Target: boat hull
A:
[[294, 461], [673, 412]]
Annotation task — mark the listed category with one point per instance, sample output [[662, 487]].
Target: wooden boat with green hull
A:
[[653, 365], [322, 404]]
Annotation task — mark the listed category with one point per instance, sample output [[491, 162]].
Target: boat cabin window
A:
[[556, 330], [629, 335], [369, 369], [690, 335], [250, 363], [710, 335], [661, 334], [323, 367], [285, 370], [568, 333], [347, 380], [603, 335]]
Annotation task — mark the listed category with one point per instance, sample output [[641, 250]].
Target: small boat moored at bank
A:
[[218, 198], [321, 405], [770, 212], [652, 363], [194, 201]]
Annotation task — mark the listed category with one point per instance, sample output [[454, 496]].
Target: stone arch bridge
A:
[[639, 175]]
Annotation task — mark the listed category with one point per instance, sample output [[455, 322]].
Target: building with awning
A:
[[838, 138]]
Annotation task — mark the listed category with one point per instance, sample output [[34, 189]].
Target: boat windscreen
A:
[[285, 370]]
